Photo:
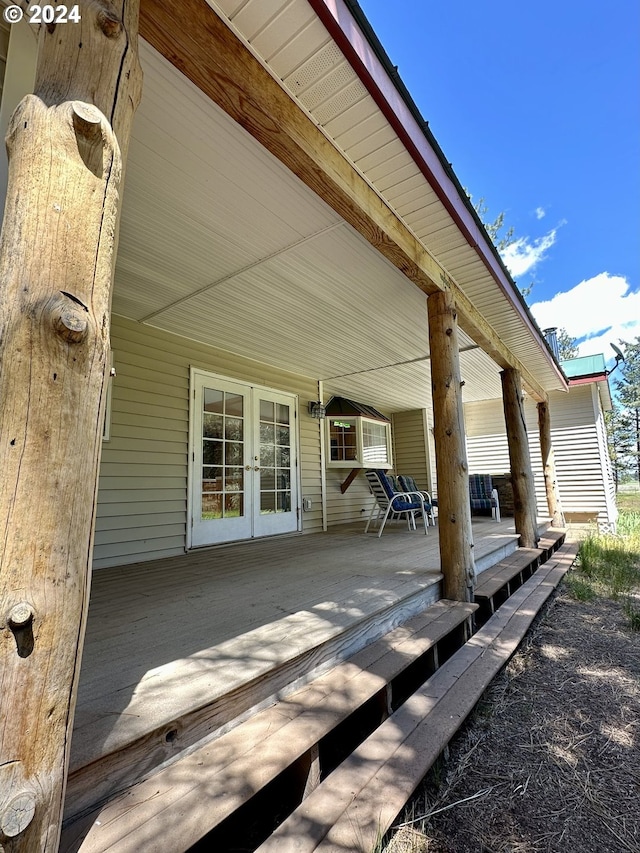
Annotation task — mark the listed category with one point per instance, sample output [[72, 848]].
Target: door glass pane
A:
[[283, 436], [211, 506], [222, 476], [267, 502], [211, 452], [213, 400], [283, 457], [282, 413], [267, 410], [210, 474], [267, 456], [212, 426], [233, 404], [283, 478], [267, 479], [233, 453], [283, 502], [267, 433], [233, 505], [233, 429], [234, 480]]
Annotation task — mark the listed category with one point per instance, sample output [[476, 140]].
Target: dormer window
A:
[[358, 435]]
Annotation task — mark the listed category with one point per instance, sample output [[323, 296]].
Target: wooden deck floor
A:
[[167, 637]]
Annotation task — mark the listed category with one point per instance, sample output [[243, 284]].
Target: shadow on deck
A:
[[184, 648]]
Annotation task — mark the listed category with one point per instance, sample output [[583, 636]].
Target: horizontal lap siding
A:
[[142, 497], [578, 449], [411, 454], [347, 507], [487, 447]]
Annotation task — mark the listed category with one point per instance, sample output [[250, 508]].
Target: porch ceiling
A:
[[222, 244]]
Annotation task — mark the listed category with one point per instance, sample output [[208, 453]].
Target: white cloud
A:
[[524, 254], [540, 213], [598, 311]]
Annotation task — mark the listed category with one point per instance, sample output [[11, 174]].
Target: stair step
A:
[[493, 579], [355, 806], [187, 798], [553, 539]]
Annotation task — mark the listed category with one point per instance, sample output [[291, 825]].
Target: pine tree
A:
[[628, 387], [619, 443], [567, 346]]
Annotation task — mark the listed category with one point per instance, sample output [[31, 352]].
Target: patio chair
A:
[[482, 494], [408, 484], [388, 502]]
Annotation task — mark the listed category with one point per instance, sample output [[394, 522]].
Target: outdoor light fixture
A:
[[317, 410]]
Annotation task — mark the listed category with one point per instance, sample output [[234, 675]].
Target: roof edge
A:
[[349, 27]]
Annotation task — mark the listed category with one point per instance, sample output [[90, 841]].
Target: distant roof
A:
[[587, 365], [588, 370]]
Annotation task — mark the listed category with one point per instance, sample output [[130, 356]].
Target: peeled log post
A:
[[549, 466], [66, 145], [454, 508], [524, 497]]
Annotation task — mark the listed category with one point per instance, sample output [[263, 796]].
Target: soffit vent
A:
[[317, 66], [339, 104]]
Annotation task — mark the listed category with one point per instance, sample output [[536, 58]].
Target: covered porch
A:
[[182, 648], [282, 245]]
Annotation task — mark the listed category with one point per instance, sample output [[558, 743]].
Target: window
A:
[[358, 442]]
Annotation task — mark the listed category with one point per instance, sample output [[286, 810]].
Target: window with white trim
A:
[[358, 442]]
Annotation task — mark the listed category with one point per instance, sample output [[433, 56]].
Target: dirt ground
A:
[[550, 759]]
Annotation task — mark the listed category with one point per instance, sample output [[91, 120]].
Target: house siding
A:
[[411, 446], [577, 433], [352, 506], [142, 496]]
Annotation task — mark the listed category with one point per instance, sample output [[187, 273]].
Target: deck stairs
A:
[[329, 766]]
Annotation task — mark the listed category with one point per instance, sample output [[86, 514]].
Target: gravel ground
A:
[[549, 762]]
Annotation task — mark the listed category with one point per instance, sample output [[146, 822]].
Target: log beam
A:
[[524, 498], [206, 51], [454, 509], [66, 144], [549, 466]]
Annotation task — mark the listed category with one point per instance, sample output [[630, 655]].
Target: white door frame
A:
[[252, 425]]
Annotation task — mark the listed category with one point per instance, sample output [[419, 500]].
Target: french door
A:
[[244, 468]]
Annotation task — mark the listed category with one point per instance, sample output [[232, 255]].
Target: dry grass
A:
[[550, 760]]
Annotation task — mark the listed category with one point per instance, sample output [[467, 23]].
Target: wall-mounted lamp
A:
[[317, 410]]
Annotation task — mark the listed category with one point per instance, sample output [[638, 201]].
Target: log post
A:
[[549, 466], [524, 498], [66, 144], [454, 508]]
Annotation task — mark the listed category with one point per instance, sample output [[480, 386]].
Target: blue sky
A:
[[537, 106]]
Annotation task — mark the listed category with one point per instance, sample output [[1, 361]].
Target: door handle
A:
[[247, 467], [257, 468]]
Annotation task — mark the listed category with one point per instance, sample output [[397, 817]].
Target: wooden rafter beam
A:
[[206, 51]]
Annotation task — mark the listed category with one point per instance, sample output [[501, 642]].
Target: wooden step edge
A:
[[128, 759], [488, 587], [227, 765], [370, 814], [338, 800], [520, 559]]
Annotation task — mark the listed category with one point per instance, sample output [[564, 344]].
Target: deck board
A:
[[167, 637]]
